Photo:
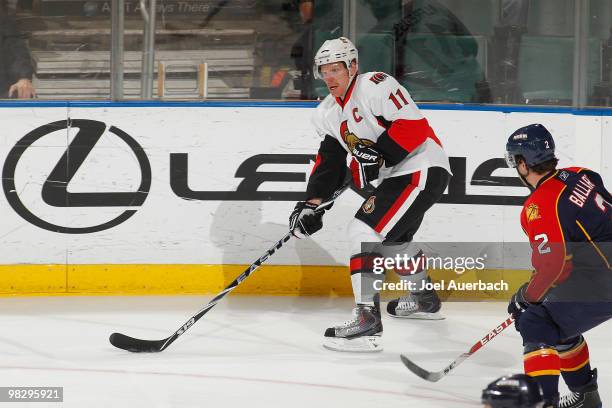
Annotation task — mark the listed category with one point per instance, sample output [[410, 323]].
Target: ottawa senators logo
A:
[[378, 77], [532, 212], [351, 139], [368, 206]]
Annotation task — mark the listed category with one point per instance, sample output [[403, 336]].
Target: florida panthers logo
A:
[[532, 212], [350, 138]]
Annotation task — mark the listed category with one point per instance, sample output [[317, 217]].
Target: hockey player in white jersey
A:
[[370, 126]]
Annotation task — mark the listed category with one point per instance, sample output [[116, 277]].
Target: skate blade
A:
[[420, 316], [364, 344]]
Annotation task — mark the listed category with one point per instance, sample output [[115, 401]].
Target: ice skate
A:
[[585, 397], [422, 305], [362, 333]]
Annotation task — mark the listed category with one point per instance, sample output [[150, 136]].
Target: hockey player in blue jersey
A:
[[568, 220]]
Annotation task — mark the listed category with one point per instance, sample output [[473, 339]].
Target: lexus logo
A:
[[55, 188], [55, 191]]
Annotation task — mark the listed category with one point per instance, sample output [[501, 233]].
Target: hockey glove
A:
[[304, 220], [518, 304], [365, 164]]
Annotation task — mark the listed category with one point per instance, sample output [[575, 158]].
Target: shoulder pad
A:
[[377, 83]]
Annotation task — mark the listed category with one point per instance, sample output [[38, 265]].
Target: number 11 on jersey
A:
[[401, 96]]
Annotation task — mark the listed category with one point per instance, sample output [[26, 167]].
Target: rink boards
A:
[[140, 198]]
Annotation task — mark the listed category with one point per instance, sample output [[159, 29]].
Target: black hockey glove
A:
[[518, 304], [365, 164], [304, 220]]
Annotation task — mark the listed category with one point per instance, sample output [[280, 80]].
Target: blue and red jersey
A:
[[568, 219]]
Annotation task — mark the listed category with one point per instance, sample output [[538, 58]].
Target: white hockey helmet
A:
[[336, 50]]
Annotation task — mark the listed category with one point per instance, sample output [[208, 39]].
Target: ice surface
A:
[[253, 352]]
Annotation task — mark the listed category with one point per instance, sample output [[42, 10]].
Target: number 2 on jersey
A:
[[543, 248], [397, 103]]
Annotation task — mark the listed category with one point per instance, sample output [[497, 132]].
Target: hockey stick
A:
[[434, 376], [154, 346]]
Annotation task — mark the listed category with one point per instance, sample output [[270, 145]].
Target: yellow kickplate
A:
[[292, 280], [32, 279]]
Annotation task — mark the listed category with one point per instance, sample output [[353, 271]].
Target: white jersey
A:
[[376, 104]]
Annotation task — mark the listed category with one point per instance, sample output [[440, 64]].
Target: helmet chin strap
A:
[[350, 81]]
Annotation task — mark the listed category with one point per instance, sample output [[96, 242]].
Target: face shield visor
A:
[[510, 160]]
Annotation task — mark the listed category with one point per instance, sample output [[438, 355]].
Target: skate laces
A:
[[408, 303], [352, 321], [569, 400]]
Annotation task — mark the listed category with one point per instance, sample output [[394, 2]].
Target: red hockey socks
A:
[[575, 365], [542, 362]]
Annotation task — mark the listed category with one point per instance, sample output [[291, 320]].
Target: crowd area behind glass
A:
[[447, 51]]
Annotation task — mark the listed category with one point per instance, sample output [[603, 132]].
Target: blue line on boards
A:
[[291, 104]]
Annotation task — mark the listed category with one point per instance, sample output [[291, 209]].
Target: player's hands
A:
[[518, 304], [304, 220], [366, 162], [22, 89]]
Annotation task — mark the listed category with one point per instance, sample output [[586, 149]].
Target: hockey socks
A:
[[542, 362], [575, 366], [363, 278]]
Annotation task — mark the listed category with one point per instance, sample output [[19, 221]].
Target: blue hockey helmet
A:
[[514, 391], [534, 143]]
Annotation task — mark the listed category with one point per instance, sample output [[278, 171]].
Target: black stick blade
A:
[[424, 374], [136, 345]]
